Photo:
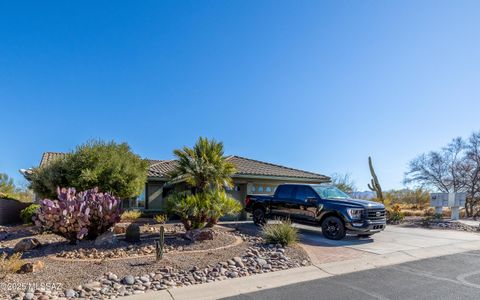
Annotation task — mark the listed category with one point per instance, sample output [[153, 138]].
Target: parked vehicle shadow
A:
[[308, 235]]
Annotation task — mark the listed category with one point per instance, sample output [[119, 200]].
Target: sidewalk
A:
[[232, 287]]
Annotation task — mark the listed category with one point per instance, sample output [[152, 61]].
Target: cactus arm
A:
[[159, 244], [375, 186]]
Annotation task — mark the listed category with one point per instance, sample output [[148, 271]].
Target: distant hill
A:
[[367, 195]]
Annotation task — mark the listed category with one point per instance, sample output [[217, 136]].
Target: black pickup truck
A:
[[322, 205]]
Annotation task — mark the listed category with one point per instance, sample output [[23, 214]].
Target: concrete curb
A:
[[232, 287]]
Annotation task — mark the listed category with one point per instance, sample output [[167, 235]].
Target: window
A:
[[285, 192], [139, 202], [260, 189], [304, 192], [268, 189]]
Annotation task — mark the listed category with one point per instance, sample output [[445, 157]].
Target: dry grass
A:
[[130, 215], [10, 264], [281, 233]]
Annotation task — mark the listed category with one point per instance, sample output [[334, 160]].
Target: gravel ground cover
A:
[[103, 276], [438, 224]]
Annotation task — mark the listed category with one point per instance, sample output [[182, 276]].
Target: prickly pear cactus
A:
[[76, 216]]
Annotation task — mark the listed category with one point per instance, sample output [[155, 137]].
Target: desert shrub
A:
[[191, 209], [130, 215], [220, 204], [77, 216], [413, 213], [28, 212], [201, 209], [160, 218], [280, 233], [395, 214], [10, 264], [110, 167]]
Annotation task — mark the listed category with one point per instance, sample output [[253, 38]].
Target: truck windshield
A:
[[330, 192]]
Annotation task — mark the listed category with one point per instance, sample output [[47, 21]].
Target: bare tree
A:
[[438, 170], [344, 182], [455, 168], [471, 174]]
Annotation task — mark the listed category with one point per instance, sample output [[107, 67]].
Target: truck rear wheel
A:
[[259, 217], [333, 228]]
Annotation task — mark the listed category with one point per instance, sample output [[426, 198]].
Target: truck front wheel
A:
[[333, 228], [259, 217]]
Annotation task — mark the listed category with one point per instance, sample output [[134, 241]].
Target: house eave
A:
[[280, 178]]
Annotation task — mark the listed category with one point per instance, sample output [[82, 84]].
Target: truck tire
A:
[[259, 217], [333, 228]]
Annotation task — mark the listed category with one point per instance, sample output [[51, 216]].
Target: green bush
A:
[[160, 218], [111, 167], [280, 233], [201, 209], [28, 212]]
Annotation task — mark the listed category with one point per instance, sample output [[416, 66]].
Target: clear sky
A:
[[316, 85]]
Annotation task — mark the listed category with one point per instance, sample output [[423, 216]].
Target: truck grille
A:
[[375, 214]]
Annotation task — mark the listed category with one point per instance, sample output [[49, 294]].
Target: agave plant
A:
[[78, 216]]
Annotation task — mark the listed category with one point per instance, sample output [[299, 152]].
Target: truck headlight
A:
[[355, 213]]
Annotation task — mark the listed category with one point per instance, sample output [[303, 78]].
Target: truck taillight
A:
[[247, 200]]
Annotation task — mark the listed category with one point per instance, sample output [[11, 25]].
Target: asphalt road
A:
[[446, 277]]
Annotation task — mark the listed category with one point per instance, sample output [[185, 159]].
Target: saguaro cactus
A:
[[159, 244], [375, 185]]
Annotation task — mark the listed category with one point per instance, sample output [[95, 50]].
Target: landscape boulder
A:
[[106, 239], [196, 235], [120, 228], [31, 267], [26, 245]]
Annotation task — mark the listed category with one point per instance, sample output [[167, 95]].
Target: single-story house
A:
[[252, 176]]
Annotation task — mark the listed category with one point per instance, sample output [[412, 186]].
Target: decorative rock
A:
[[28, 296], [129, 280], [70, 293], [26, 245], [197, 235], [106, 239], [120, 228], [238, 261], [261, 262], [31, 267]]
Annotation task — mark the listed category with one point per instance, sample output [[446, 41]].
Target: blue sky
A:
[[317, 85]]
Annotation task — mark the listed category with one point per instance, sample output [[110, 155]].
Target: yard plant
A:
[[201, 209], [280, 232], [112, 168], [75, 216], [28, 213], [130, 215], [207, 173], [10, 264]]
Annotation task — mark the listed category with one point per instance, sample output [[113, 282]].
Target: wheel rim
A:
[[332, 228], [258, 215]]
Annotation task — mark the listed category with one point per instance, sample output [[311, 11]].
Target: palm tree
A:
[[203, 167]]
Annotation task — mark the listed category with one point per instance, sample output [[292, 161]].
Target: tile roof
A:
[[247, 166], [244, 166], [48, 157]]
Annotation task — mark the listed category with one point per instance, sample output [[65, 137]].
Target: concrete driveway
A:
[[365, 268], [394, 239]]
